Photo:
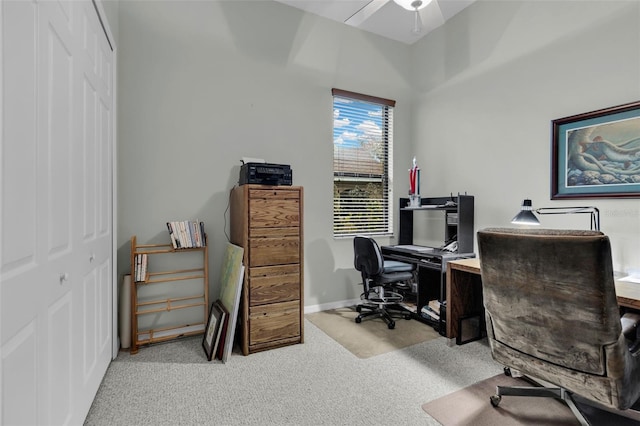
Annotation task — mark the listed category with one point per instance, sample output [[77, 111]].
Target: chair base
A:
[[551, 392], [384, 312]]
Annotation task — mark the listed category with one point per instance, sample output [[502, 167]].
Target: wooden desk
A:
[[464, 293], [628, 294]]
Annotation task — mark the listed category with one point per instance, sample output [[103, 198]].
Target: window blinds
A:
[[362, 147]]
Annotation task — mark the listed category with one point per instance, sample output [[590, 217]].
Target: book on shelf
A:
[[427, 312], [141, 260], [409, 306], [203, 234], [186, 234], [195, 231], [183, 235], [145, 261], [175, 242], [431, 310], [434, 305]]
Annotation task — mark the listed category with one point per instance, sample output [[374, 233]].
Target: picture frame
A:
[[597, 154], [211, 337], [222, 337]]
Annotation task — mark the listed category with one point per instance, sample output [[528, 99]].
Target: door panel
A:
[[90, 158], [89, 307], [56, 137], [19, 139], [60, 371], [19, 378], [104, 313]]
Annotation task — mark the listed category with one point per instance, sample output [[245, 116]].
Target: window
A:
[[362, 158]]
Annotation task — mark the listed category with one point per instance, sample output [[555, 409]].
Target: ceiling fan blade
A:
[[435, 12], [365, 12]]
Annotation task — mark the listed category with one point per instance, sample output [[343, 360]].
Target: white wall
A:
[[488, 85], [203, 84]]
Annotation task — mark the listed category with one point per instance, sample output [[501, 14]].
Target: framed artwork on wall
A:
[[597, 154]]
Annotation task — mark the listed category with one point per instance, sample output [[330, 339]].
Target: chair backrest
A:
[[552, 312], [367, 256], [551, 294]]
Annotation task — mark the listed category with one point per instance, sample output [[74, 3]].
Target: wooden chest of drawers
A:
[[267, 222]]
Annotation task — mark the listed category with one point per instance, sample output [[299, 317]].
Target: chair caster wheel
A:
[[495, 400], [391, 325], [358, 320], [358, 309], [407, 316], [507, 371]]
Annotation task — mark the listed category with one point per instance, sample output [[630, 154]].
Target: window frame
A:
[[382, 214]]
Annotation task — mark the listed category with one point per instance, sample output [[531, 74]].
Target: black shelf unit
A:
[[458, 219]]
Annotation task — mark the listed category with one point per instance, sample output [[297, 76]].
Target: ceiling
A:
[[383, 17]]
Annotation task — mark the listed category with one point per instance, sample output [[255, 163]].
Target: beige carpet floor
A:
[[372, 336], [513, 410]]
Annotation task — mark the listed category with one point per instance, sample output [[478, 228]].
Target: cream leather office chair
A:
[[552, 314], [377, 277]]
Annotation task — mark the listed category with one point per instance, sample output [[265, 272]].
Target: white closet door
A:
[[55, 212], [92, 292]]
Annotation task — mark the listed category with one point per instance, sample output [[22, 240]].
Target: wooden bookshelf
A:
[[175, 290]]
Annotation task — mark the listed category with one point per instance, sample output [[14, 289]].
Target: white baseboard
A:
[[333, 305]]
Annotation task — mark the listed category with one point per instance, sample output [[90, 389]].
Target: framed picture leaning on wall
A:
[[213, 330], [597, 154]]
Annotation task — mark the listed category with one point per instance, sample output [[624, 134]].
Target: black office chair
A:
[[377, 277]]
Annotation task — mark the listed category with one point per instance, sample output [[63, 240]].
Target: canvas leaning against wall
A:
[[231, 276]]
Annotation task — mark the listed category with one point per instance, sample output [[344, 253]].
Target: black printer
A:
[[266, 174]]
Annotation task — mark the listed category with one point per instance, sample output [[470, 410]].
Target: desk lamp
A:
[[526, 215]]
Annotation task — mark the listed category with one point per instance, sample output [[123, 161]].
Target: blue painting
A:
[[597, 154]]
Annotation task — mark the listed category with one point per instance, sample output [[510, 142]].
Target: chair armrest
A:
[[630, 328]]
